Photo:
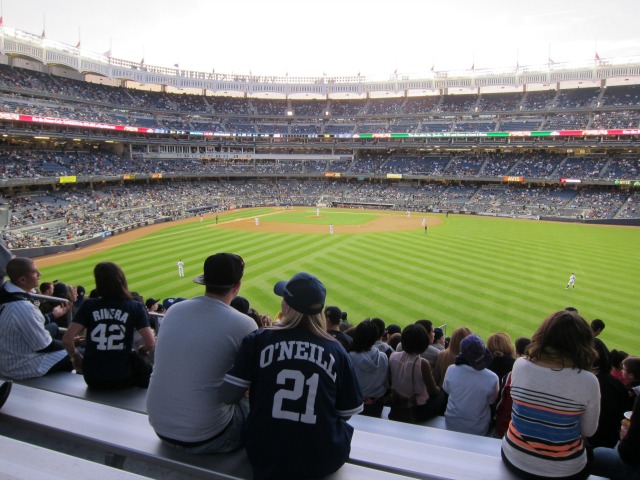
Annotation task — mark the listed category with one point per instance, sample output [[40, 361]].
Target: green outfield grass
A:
[[489, 274]]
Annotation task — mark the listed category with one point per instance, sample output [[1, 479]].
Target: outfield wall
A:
[[628, 222]]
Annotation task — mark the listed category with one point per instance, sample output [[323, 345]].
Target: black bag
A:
[[404, 409]]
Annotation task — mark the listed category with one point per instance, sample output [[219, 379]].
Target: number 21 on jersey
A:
[[296, 393]]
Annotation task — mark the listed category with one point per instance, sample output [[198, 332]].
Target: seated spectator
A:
[[560, 356], [27, 349], [623, 461], [502, 353], [438, 340], [295, 432], [411, 379], [431, 352], [197, 344], [448, 356], [505, 404], [344, 322], [60, 290], [613, 401], [109, 363], [242, 305], [631, 375], [334, 316], [46, 288], [522, 346], [616, 357], [81, 292], [393, 329], [371, 366], [46, 307], [394, 340], [380, 343], [597, 326], [471, 387]]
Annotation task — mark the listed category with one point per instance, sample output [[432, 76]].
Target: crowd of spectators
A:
[[35, 93], [67, 216]]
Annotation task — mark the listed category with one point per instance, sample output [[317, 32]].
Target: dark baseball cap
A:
[[333, 314], [151, 302], [222, 270], [474, 352], [167, 302], [304, 293], [241, 304]]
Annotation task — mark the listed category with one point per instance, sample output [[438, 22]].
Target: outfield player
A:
[[302, 388], [572, 281], [257, 221], [180, 268], [331, 229], [424, 224]]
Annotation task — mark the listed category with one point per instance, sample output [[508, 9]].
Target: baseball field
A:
[[490, 274]]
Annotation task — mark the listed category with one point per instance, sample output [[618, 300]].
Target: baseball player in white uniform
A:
[[180, 268]]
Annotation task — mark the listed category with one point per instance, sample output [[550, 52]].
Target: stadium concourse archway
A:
[[384, 221]]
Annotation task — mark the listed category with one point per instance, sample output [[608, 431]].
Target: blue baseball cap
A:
[[304, 293]]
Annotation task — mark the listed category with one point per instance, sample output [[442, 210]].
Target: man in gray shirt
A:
[[196, 346]]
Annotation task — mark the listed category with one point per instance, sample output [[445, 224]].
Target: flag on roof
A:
[[176, 65], [597, 57]]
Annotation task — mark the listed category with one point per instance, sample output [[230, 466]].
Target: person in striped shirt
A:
[[27, 349], [556, 402]]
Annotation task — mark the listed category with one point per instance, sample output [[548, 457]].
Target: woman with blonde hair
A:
[[503, 355], [448, 356], [302, 388], [556, 401]]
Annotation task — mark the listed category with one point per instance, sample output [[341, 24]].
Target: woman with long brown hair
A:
[[448, 356], [111, 320], [556, 401]]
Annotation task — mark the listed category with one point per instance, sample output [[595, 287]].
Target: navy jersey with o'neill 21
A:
[[301, 385]]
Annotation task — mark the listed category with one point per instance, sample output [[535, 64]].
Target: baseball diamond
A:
[[491, 274]]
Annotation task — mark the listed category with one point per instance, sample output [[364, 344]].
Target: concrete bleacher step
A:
[[128, 434], [380, 446], [24, 461], [428, 435]]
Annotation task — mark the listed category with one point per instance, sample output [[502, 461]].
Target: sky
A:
[[337, 37]]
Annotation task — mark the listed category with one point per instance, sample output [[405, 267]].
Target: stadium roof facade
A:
[[16, 43]]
